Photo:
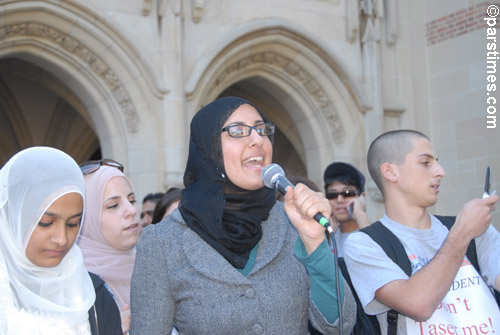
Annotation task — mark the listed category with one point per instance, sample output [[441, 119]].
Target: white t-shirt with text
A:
[[370, 268]]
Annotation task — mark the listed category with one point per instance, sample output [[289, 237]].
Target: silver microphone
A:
[[273, 176]]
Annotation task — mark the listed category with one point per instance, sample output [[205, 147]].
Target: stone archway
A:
[[315, 103], [39, 109], [288, 149], [98, 74], [14, 132]]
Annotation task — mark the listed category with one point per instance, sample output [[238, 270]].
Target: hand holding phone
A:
[[357, 202], [357, 212]]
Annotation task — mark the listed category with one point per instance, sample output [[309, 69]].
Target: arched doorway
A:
[[37, 108], [288, 148], [94, 83], [299, 85]]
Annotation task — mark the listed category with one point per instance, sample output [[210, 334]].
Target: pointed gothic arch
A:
[[322, 103], [11, 118], [109, 77]]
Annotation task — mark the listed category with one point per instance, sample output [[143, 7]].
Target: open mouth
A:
[[254, 161]]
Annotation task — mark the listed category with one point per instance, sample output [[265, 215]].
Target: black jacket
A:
[[104, 316]]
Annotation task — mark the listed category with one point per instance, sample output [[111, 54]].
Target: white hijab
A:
[[34, 299]]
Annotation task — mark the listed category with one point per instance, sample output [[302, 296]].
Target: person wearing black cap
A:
[[344, 187]]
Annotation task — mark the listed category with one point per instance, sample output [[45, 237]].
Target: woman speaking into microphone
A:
[[230, 259]]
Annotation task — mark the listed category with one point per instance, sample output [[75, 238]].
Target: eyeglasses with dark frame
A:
[[345, 194], [243, 130], [89, 167]]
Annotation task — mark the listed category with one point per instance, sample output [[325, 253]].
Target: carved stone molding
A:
[[335, 2], [391, 22], [372, 12], [147, 5], [197, 9], [352, 21], [175, 7], [78, 49], [302, 76]]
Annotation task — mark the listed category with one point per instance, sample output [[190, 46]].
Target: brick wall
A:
[[456, 24]]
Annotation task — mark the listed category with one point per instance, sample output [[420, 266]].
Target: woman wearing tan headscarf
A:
[[111, 229]]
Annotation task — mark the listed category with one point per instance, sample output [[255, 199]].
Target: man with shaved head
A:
[[444, 294]]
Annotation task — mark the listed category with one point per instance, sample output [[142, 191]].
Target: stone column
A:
[[371, 17], [175, 125]]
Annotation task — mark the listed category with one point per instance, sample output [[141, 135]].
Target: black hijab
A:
[[226, 216]]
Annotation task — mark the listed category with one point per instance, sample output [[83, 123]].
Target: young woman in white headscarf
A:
[[232, 260], [44, 286], [111, 229]]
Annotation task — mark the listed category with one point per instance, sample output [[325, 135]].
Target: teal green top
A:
[[251, 261], [321, 268]]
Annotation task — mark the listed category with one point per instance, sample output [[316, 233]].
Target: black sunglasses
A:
[[345, 194], [92, 166]]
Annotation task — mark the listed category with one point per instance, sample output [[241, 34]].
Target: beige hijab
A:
[[112, 265]]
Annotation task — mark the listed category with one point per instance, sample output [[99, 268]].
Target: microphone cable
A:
[[273, 177], [333, 243]]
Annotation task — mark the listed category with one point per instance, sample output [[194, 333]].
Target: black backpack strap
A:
[[392, 322], [390, 244], [394, 249], [365, 324], [471, 253]]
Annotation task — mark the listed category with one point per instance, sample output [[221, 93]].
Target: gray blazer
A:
[[179, 278]]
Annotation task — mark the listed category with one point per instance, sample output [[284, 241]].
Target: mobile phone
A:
[[486, 192], [350, 208]]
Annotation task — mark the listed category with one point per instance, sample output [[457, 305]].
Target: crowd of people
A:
[[227, 255]]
